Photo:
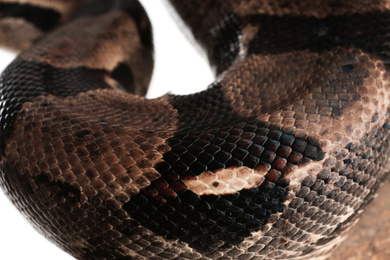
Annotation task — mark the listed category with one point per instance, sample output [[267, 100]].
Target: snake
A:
[[276, 159]]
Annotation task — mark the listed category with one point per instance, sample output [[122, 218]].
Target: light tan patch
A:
[[227, 181], [17, 34], [97, 46], [248, 33]]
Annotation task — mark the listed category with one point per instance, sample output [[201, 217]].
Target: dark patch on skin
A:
[[23, 81], [347, 161], [132, 7], [82, 133], [123, 74], [347, 68], [59, 189], [320, 34], [210, 221], [207, 222], [43, 18], [226, 36], [337, 112], [308, 250]]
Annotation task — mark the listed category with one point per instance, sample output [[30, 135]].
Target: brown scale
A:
[[300, 111]]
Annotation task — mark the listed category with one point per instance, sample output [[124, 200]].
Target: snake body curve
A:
[[275, 160]]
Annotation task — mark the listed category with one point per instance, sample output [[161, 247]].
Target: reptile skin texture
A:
[[276, 159]]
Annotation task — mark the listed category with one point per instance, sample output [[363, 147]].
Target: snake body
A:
[[275, 160]]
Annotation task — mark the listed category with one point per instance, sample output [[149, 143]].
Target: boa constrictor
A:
[[275, 160]]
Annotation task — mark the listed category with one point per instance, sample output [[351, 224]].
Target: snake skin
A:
[[275, 160]]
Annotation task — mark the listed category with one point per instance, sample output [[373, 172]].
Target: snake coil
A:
[[275, 160]]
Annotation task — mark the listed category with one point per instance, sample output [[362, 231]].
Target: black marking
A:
[[123, 74], [374, 118], [205, 221], [347, 161], [82, 133], [347, 68], [43, 18], [337, 112], [307, 250], [59, 189]]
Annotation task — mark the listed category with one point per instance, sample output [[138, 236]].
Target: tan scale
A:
[[227, 181]]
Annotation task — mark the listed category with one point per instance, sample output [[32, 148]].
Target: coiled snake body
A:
[[275, 160]]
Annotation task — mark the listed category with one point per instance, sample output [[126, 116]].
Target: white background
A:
[[178, 69]]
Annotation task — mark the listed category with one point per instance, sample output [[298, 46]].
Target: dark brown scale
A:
[[43, 18]]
